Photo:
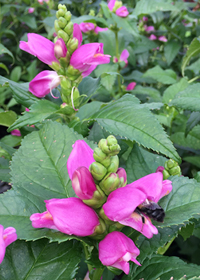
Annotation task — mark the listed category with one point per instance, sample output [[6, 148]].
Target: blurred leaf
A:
[[4, 169], [29, 20], [126, 117], [163, 76], [188, 99], [151, 93], [15, 74], [4, 67], [7, 118], [41, 260], [88, 86], [193, 120], [193, 50], [128, 25], [171, 49], [86, 18], [195, 160], [151, 6], [195, 67], [142, 45], [12, 141], [3, 50], [172, 90]]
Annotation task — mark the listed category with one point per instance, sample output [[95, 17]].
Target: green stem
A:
[[117, 55], [194, 79], [86, 255], [98, 273]]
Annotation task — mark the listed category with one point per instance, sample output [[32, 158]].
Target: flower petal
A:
[[77, 34], [2, 244], [122, 12]]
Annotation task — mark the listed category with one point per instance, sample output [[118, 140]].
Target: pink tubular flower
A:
[[111, 5], [40, 47], [16, 132], [86, 26], [145, 18], [122, 203], [81, 155], [162, 39], [87, 57], [43, 83], [152, 37], [68, 215], [122, 12], [7, 236], [83, 183], [131, 86], [124, 55], [31, 10], [60, 49], [77, 34], [149, 29], [116, 249], [99, 29]]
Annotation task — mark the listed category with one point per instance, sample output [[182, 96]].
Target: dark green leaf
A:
[[172, 90], [187, 231], [3, 50], [28, 20], [4, 169], [7, 118], [163, 76], [15, 74], [193, 50], [88, 86], [195, 160], [171, 49], [191, 141]]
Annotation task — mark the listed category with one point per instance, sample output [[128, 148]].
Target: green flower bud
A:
[[56, 26], [170, 164], [175, 171], [100, 157], [110, 183], [72, 72], [118, 5], [65, 83], [109, 145], [97, 200], [99, 231], [92, 13], [69, 28], [115, 227], [72, 45], [60, 6], [60, 13], [97, 170], [67, 110], [104, 217], [68, 16], [166, 175], [111, 140], [55, 66], [63, 35], [62, 22], [114, 165]]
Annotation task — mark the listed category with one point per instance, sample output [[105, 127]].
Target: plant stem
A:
[[117, 55], [86, 255], [98, 273], [194, 79]]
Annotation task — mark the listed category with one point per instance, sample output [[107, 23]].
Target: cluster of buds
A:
[[171, 168]]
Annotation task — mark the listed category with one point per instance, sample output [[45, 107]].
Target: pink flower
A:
[[162, 39], [116, 249], [7, 236], [99, 29], [122, 203], [149, 29], [68, 215], [131, 86], [40, 47], [86, 26], [152, 37], [111, 5], [160, 169], [77, 34], [31, 10], [83, 183], [81, 155], [27, 109], [145, 18], [87, 57], [43, 83], [16, 132], [122, 12], [124, 55], [60, 49]]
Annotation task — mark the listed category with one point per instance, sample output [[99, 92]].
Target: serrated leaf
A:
[[187, 231], [163, 268], [40, 260], [4, 170], [20, 92], [182, 203], [193, 120], [141, 163], [7, 118], [188, 99], [165, 77], [171, 49], [151, 6], [3, 50], [193, 50], [38, 112], [172, 90], [38, 173], [127, 118], [89, 86], [153, 93]]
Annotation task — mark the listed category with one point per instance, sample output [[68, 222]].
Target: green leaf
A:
[[138, 77], [40, 260], [188, 99], [151, 6], [4, 67], [87, 18], [38, 112], [141, 163], [193, 120], [4, 170], [29, 20], [171, 49], [128, 25], [127, 118], [142, 45], [15, 74], [193, 50], [172, 90], [163, 76], [182, 203], [153, 93], [195, 160], [20, 92], [38, 173], [12, 141], [195, 67], [187, 231], [191, 141], [89, 86], [3, 50], [87, 110], [163, 268], [7, 118]]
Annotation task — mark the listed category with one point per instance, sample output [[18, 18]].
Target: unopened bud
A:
[[109, 145], [175, 171], [60, 13], [170, 164], [60, 49], [92, 13], [72, 45], [98, 171], [72, 72], [104, 217], [65, 83], [69, 28], [68, 16], [118, 5], [166, 175], [99, 231], [97, 200], [110, 183], [62, 22], [62, 34], [55, 66], [113, 165], [56, 26], [115, 227], [100, 157], [122, 177]]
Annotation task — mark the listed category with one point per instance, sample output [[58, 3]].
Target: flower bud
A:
[[115, 227], [100, 230], [101, 157], [97, 170], [60, 13], [122, 176], [72, 73], [97, 200], [68, 16], [110, 183], [69, 28], [56, 26], [55, 66], [62, 34], [62, 22], [118, 5], [60, 49], [114, 164], [165, 174], [104, 217], [175, 171], [72, 45], [170, 164], [65, 83], [109, 145]]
